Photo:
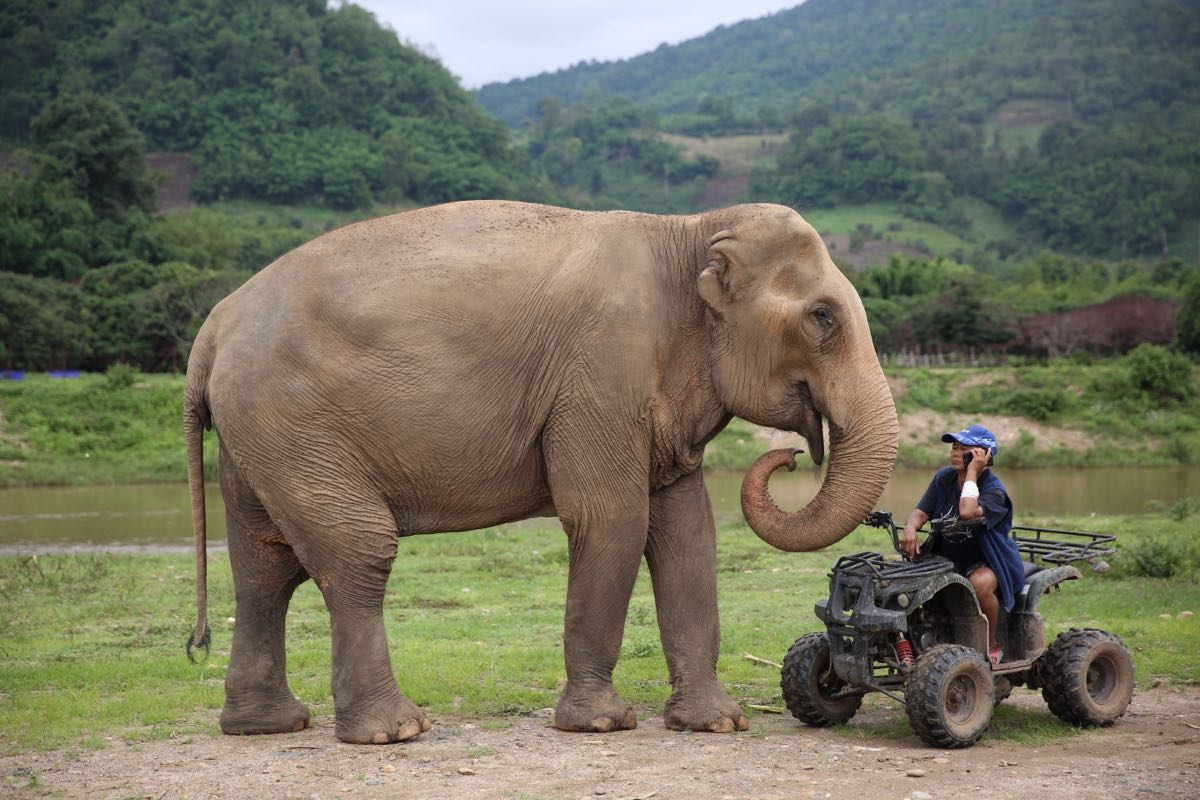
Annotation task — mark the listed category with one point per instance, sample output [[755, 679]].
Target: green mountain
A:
[[965, 58], [1076, 120], [284, 102]]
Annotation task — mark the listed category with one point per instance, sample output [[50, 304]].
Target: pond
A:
[[158, 515]]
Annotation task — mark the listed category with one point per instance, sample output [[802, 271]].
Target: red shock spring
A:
[[904, 650]]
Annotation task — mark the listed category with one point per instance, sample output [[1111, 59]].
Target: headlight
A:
[[902, 600]]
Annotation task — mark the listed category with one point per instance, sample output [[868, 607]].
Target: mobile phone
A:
[[968, 456]]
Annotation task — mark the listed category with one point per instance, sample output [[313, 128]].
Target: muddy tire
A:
[[809, 683], [949, 696], [1087, 677]]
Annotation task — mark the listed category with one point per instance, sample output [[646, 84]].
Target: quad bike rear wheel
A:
[[1086, 677], [949, 696], [809, 684]]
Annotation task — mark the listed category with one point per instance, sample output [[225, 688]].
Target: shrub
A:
[[1183, 509], [1160, 373], [1155, 558], [120, 376]]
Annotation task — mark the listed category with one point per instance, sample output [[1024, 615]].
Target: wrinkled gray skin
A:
[[465, 365]]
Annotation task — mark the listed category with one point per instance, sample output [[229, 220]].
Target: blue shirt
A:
[[999, 550]]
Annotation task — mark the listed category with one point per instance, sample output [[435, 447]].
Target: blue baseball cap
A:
[[974, 436]]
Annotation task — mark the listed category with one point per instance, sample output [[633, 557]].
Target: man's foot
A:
[[995, 655]]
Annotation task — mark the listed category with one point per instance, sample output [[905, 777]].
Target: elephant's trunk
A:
[[862, 451]]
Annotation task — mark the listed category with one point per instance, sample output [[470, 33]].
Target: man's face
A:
[[956, 454]]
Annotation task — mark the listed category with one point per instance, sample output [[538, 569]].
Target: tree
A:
[[40, 324], [89, 142], [852, 160], [1187, 321]]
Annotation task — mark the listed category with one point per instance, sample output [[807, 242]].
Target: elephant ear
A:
[[715, 282]]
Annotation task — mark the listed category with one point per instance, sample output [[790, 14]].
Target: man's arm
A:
[[968, 504], [908, 541]]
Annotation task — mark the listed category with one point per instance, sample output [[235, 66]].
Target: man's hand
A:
[[979, 462], [909, 544]]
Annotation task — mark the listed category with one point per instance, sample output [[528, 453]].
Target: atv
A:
[[915, 628]]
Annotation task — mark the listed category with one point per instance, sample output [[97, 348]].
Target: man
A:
[[984, 553]]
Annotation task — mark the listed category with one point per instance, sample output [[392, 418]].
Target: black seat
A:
[[1031, 568]]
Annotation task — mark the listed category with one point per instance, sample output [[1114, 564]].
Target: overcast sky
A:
[[484, 41]]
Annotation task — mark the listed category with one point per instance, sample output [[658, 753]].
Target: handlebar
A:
[[884, 519]]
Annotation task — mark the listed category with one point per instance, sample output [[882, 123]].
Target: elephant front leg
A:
[[681, 553], [604, 562]]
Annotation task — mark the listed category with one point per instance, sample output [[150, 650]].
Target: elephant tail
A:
[[196, 418]]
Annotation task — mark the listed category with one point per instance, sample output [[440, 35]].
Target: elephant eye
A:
[[822, 315]]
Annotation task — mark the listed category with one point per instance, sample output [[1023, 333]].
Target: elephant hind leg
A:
[[265, 574], [346, 540]]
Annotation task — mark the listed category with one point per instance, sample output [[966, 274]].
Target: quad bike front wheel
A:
[[811, 690], [949, 696], [1086, 677]]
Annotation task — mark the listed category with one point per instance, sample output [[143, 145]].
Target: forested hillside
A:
[[1022, 160], [284, 102], [297, 117], [1076, 119]]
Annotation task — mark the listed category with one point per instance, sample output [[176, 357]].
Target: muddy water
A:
[[158, 515]]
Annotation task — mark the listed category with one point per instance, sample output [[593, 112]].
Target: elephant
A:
[[594, 354]]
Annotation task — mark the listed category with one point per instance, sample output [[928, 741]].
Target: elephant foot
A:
[[396, 720], [598, 711], [242, 717], [712, 711]]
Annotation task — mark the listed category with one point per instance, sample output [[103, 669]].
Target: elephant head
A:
[[791, 348]]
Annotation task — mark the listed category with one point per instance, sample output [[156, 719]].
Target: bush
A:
[[1155, 558], [1183, 509], [1160, 373], [1039, 404], [120, 376]]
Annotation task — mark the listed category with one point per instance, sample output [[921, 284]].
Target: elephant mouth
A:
[[809, 422]]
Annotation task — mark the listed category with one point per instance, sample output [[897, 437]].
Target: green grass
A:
[[89, 431], [94, 431], [1125, 423], [92, 646], [881, 216]]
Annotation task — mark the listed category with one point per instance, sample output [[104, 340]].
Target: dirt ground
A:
[[1152, 752]]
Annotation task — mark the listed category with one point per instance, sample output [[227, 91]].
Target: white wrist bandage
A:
[[970, 489]]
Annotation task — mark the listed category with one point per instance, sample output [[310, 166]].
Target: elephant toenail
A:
[[602, 724], [380, 738], [300, 725], [743, 723], [425, 724], [408, 730], [724, 726]]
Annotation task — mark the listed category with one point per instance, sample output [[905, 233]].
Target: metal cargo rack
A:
[[1049, 545], [879, 566]]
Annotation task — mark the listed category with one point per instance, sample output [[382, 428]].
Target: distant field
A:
[[1020, 123], [737, 154], [888, 223]]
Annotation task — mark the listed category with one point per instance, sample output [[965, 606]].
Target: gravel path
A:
[[1153, 752]]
